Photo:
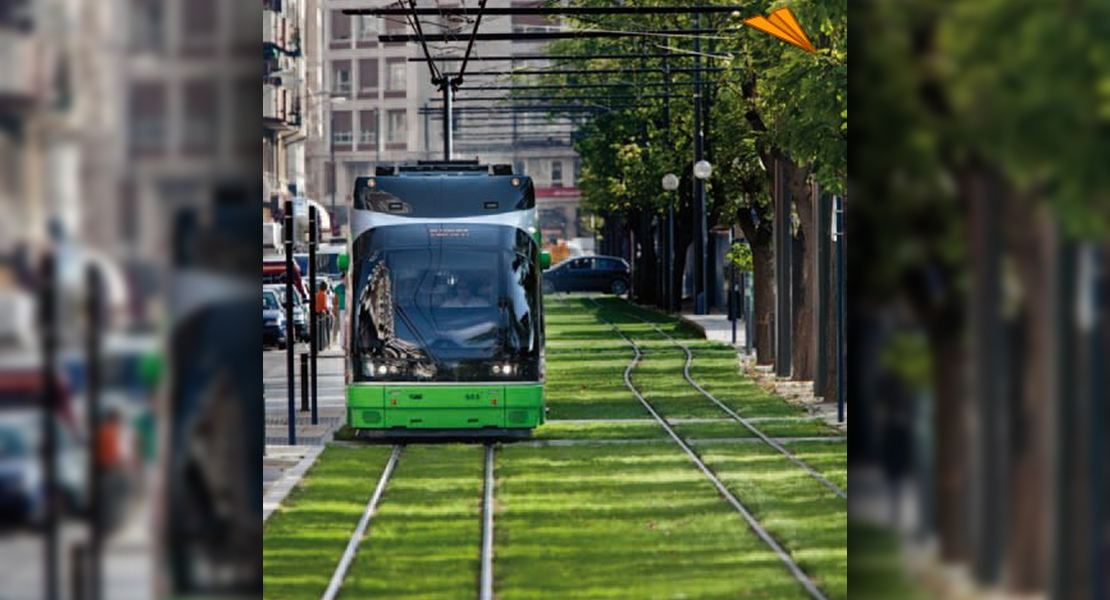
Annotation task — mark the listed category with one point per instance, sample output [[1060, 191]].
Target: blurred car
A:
[[273, 320], [588, 274], [300, 310], [23, 489]]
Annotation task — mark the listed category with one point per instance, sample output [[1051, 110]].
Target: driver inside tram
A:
[[466, 298]]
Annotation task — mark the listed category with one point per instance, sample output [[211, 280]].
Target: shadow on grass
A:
[[303, 540], [425, 540], [591, 522]]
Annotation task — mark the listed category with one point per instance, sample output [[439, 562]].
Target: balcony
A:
[[280, 32], [279, 109], [273, 28], [21, 77]]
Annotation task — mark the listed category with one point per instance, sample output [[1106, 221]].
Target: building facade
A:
[[383, 108]]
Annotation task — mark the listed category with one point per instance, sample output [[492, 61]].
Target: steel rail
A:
[[485, 589], [356, 538], [731, 498], [736, 417]]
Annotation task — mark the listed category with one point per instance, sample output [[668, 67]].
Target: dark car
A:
[[273, 320], [588, 274]]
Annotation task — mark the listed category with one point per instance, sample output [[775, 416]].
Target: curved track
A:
[[795, 570], [731, 413]]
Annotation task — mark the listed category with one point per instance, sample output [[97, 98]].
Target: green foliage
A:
[[740, 256]]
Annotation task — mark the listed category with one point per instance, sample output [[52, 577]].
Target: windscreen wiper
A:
[[400, 310]]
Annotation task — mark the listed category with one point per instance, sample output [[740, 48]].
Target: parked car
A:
[[273, 320], [300, 310], [588, 274], [23, 488]]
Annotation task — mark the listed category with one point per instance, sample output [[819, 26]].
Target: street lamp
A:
[[670, 184], [702, 171]]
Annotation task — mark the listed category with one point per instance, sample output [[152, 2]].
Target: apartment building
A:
[[381, 107]]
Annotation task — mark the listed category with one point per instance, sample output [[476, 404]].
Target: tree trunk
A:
[[646, 262], [804, 350], [763, 302], [1029, 515], [952, 468]]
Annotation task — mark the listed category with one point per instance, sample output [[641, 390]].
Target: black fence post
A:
[[92, 387], [289, 338], [304, 382], [316, 334], [48, 320]]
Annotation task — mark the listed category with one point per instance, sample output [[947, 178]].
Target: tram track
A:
[[485, 586], [340, 573], [747, 424], [795, 570]]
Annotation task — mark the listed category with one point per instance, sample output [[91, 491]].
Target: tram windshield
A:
[[433, 304]]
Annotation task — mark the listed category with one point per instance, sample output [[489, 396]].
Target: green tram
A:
[[445, 306]]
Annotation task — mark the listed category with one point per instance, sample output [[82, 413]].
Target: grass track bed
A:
[[808, 519], [600, 431], [786, 428], [305, 538], [641, 522], [426, 539]]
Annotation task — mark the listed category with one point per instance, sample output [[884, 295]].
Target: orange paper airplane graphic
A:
[[782, 24]]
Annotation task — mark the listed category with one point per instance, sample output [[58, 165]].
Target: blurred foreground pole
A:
[[93, 331], [1079, 551], [312, 241], [289, 339], [987, 360], [49, 322]]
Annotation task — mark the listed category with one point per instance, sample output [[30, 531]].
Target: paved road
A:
[[128, 560], [329, 379]]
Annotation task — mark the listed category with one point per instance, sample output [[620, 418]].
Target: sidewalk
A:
[[717, 328]]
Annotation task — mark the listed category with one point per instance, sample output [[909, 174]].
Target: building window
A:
[[200, 23], [368, 28], [556, 173], [367, 127], [368, 76], [340, 27], [396, 126], [200, 115], [343, 133], [341, 77], [148, 116], [147, 23], [398, 75]]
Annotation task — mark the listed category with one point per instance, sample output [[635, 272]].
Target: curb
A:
[[289, 480]]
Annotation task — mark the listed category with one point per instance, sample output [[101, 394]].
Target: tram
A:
[[445, 314]]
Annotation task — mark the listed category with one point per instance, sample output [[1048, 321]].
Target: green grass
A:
[[827, 458], [600, 431], [590, 387], [426, 538], [732, 429], [304, 539], [641, 522], [807, 519]]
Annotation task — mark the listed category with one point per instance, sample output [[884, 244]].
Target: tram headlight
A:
[[496, 369], [382, 369], [506, 369]]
